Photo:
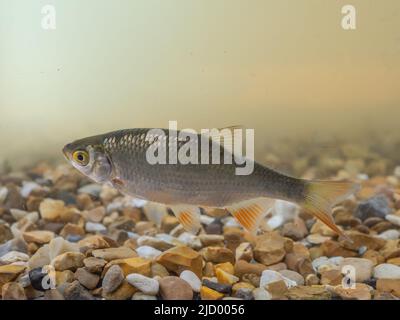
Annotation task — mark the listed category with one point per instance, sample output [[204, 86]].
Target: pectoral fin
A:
[[249, 213], [188, 216]]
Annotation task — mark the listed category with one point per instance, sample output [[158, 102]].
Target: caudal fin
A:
[[321, 196]]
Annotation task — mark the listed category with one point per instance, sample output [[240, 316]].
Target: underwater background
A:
[[285, 68]]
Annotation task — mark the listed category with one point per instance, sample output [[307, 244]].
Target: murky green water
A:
[[285, 68]]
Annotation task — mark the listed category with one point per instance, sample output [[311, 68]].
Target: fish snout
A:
[[67, 151]]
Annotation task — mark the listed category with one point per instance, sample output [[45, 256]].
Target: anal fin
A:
[[249, 213], [188, 216]]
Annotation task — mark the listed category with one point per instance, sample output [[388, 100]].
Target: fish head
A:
[[90, 158]]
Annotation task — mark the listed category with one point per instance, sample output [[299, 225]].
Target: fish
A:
[[120, 159]]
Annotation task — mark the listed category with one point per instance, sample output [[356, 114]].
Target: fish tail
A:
[[321, 196]]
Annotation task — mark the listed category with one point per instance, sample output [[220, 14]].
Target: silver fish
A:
[[119, 158]]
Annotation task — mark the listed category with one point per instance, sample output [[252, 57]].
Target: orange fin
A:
[[321, 196], [249, 213], [188, 216]]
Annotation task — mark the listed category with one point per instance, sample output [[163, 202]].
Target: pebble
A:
[[269, 248], [75, 291], [94, 265], [377, 206], [219, 287], [112, 279], [387, 271], [13, 291], [178, 259], [68, 261], [144, 284], [148, 252], [261, 294], [244, 252], [142, 296], [192, 279], [206, 293], [363, 267], [109, 254], [94, 227], [270, 276], [293, 275], [395, 219], [174, 288], [13, 256], [360, 292], [93, 189], [87, 279], [391, 234]]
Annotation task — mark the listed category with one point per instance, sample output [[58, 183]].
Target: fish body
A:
[[120, 158]]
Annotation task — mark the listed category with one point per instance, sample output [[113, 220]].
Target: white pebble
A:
[[191, 278], [28, 187], [391, 234], [142, 296], [269, 276], [3, 194], [393, 219], [261, 294], [145, 284], [94, 227], [147, 252], [13, 256], [204, 219], [190, 240], [387, 271], [18, 214]]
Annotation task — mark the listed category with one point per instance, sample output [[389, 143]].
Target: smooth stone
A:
[[377, 206], [109, 254], [218, 255], [387, 271], [124, 292], [192, 279], [144, 284], [174, 288], [182, 258], [154, 242], [270, 276], [219, 287], [93, 189], [244, 252], [142, 296], [112, 279], [292, 275], [87, 279], [148, 252], [75, 291], [13, 256], [269, 248], [395, 219], [391, 234], [68, 261], [190, 240], [53, 294], [13, 291], [39, 236], [94, 265], [94, 227], [360, 292], [261, 294], [363, 267]]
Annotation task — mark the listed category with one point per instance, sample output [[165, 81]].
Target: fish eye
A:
[[81, 157]]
